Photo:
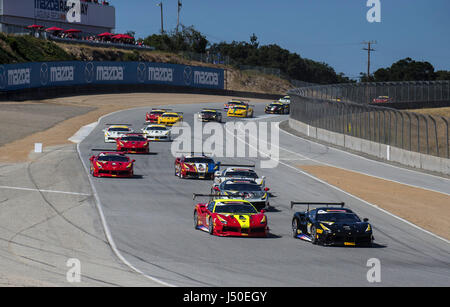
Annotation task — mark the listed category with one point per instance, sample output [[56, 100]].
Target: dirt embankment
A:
[[236, 80]]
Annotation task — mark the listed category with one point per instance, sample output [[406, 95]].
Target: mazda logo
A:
[[89, 72], [141, 72], [187, 75], [44, 74], [3, 78]]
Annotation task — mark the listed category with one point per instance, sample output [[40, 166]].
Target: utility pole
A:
[[162, 19], [178, 15], [369, 50]]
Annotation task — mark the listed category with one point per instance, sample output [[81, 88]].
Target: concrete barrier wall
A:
[[381, 151]]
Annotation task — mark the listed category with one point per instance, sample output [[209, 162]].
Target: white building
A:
[[15, 15]]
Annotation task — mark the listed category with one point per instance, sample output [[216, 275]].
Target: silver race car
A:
[[247, 189], [238, 173], [157, 133], [115, 131]]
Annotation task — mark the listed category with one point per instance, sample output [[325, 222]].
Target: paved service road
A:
[[150, 220]]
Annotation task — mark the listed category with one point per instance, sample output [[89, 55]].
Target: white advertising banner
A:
[[92, 14]]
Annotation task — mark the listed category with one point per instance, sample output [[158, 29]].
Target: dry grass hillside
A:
[[236, 80]]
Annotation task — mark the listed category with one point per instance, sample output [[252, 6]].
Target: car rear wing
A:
[[204, 154], [120, 124], [237, 165], [162, 109], [239, 99], [327, 204], [236, 195]]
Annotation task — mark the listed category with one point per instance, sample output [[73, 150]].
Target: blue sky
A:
[[329, 31]]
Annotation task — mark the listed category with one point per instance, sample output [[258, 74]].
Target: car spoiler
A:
[[119, 124], [238, 165], [297, 203], [205, 154], [237, 195], [160, 109]]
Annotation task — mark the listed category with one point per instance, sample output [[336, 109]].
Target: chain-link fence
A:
[[345, 109], [382, 92]]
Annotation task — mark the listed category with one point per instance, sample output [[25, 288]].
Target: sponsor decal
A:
[[44, 74], [160, 74], [141, 72], [110, 73], [206, 78], [187, 75], [3, 79], [89, 72], [62, 73], [19, 76]]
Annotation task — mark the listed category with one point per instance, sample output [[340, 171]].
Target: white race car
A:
[[285, 100], [116, 131], [157, 133], [238, 173]]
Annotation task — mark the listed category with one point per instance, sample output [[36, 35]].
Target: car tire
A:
[[294, 228], [314, 235], [211, 226], [195, 220]]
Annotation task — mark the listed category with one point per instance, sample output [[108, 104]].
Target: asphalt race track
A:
[[150, 220]]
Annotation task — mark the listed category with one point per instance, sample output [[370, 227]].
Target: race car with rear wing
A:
[[154, 114], [210, 115], [170, 118], [244, 110], [111, 164], [195, 166], [246, 188], [238, 172], [235, 102], [330, 224], [276, 108], [229, 217], [133, 143], [115, 131], [157, 133]]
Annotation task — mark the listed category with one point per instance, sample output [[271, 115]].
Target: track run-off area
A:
[[149, 218]]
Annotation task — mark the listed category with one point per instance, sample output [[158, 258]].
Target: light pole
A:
[[178, 15], [162, 22]]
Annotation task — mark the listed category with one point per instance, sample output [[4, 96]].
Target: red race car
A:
[[230, 217], [111, 164], [133, 143], [154, 114], [382, 99]]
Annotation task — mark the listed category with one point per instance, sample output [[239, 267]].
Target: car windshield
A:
[[113, 158], [134, 139], [242, 174], [245, 187], [234, 207], [170, 115], [339, 217], [239, 108], [198, 160], [119, 129], [157, 113], [156, 128], [209, 113], [274, 105]]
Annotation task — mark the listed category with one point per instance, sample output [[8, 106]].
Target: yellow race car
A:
[[244, 110], [170, 118]]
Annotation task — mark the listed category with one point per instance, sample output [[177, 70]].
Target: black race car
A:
[[208, 115], [330, 224], [276, 108]]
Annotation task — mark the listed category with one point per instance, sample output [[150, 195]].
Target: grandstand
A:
[[97, 16]]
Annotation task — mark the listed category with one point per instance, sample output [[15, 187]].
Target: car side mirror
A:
[[217, 174], [216, 189], [132, 161], [266, 189], [91, 158], [263, 211], [366, 220]]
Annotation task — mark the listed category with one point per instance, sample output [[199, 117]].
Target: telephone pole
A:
[[162, 19], [178, 15], [369, 49]]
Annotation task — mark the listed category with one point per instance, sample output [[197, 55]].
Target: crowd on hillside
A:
[[96, 1]]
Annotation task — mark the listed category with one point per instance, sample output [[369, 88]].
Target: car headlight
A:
[[263, 220], [222, 220], [368, 228]]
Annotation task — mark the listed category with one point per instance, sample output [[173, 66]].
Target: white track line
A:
[[340, 190], [39, 190]]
